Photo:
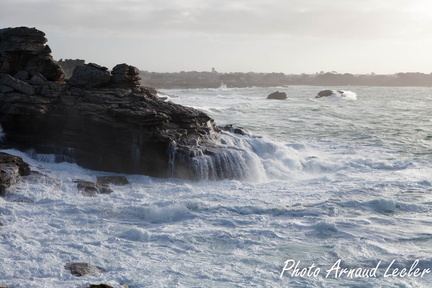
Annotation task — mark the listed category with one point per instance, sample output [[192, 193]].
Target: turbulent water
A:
[[342, 182]]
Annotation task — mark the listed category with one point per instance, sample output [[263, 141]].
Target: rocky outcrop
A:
[[11, 170], [113, 125], [24, 49], [277, 95]]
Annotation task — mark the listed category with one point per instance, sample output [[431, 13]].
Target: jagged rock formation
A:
[[277, 95], [11, 170], [102, 121], [24, 49]]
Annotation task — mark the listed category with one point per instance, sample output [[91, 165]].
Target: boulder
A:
[[89, 76], [324, 93], [277, 95], [125, 76], [11, 169], [24, 49], [82, 269]]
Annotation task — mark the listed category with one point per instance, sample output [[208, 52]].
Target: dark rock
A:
[[6, 89], [81, 269], [89, 76], [324, 93], [16, 84], [24, 49], [277, 95], [100, 286], [37, 79], [232, 129], [125, 76], [11, 170], [22, 75], [91, 189], [150, 90], [114, 180]]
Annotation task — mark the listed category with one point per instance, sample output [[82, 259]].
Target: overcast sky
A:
[[289, 36]]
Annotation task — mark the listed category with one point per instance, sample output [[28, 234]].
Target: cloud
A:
[[134, 18]]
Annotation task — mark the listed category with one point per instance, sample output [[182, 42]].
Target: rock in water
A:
[[277, 96], [81, 269], [324, 93], [11, 170], [114, 180], [103, 124]]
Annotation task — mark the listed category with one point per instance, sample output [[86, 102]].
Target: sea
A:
[[339, 194]]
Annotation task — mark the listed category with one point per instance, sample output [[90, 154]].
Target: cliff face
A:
[[99, 120]]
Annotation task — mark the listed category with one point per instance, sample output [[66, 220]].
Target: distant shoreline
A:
[[214, 79], [194, 80]]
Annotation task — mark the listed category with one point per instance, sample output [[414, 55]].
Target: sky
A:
[[288, 36]]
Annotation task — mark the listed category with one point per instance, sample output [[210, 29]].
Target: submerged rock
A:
[[91, 189], [114, 180], [81, 269], [277, 95]]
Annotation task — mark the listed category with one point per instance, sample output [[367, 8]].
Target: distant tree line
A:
[[194, 79], [214, 79]]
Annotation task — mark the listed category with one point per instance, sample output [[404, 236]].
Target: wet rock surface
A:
[[12, 168]]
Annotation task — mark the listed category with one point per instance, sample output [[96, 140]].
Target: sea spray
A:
[[243, 157]]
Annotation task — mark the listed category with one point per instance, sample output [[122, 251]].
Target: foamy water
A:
[[331, 178]]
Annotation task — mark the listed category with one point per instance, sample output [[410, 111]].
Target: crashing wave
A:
[[337, 94]]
